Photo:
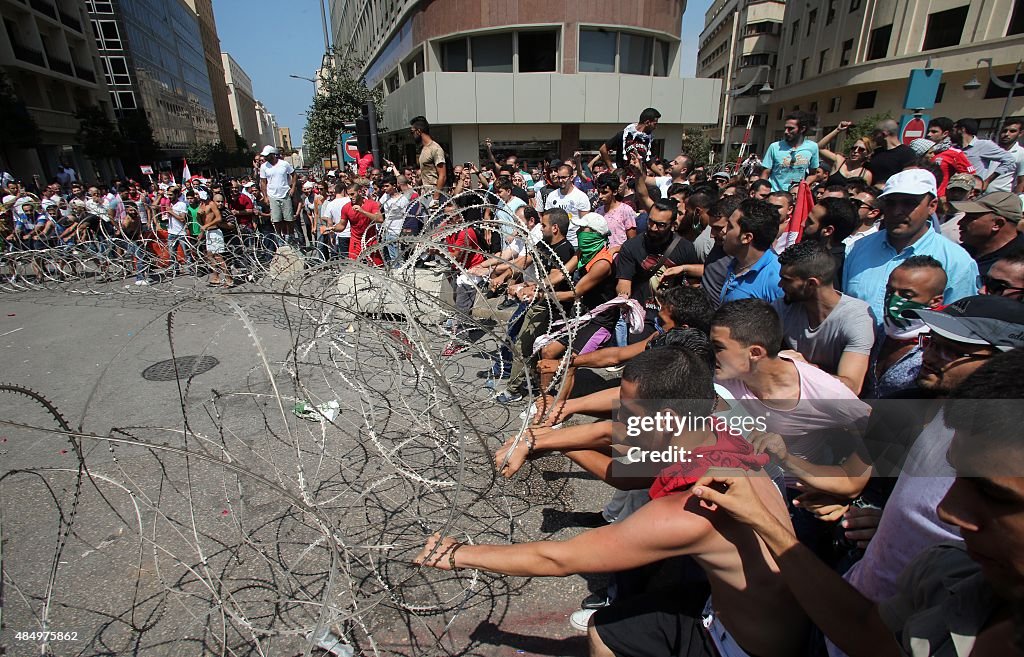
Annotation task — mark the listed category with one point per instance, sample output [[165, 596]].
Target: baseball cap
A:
[[961, 181], [593, 221], [911, 181], [721, 174], [981, 319], [922, 145], [267, 150], [248, 185], [1004, 204], [308, 185]]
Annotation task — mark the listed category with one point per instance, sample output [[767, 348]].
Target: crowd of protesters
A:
[[865, 305]]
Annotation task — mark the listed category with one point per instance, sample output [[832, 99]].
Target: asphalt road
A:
[[199, 515]]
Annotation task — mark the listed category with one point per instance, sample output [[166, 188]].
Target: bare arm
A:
[[852, 369], [590, 280], [442, 178], [846, 480], [606, 156]]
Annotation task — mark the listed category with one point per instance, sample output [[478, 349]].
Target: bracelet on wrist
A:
[[451, 555]]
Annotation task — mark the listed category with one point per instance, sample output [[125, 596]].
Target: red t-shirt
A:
[[951, 161], [464, 248], [243, 204], [360, 225]]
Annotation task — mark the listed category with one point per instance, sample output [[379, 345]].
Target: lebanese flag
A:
[[186, 175], [801, 210]]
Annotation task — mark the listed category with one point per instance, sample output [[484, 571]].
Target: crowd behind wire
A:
[[804, 276]]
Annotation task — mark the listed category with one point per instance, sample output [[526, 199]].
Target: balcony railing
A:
[[70, 20], [26, 54], [44, 7], [61, 66]]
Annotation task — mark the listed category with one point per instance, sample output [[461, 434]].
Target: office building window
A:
[[833, 105], [118, 71], [865, 100], [789, 73], [492, 53], [1016, 25], [538, 51], [831, 14], [455, 56], [940, 92], [811, 19], [813, 109], [391, 83], [597, 51], [126, 100], [635, 54], [99, 6], [945, 28], [792, 35], [878, 47], [660, 58], [854, 5], [822, 58], [803, 67], [779, 114], [844, 58], [414, 66]]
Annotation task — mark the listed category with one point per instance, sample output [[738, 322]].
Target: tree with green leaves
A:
[[339, 100], [697, 145], [98, 135]]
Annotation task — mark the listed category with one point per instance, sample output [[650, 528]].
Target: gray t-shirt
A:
[[849, 327]]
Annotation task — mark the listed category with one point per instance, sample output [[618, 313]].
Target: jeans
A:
[[392, 252], [535, 323], [621, 332], [172, 247], [135, 251]]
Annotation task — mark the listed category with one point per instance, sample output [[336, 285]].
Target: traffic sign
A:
[[913, 129], [350, 146]]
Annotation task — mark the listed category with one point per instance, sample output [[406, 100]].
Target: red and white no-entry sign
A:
[[913, 130], [352, 148]]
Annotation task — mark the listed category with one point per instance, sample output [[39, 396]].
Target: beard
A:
[[661, 240], [418, 139]]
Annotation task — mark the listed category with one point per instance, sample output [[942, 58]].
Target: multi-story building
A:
[[214, 69], [739, 45], [267, 126], [284, 139], [544, 78], [241, 100], [153, 60], [850, 59], [48, 56]]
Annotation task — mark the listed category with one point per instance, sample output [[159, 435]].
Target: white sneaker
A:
[[579, 620], [614, 369], [142, 282]]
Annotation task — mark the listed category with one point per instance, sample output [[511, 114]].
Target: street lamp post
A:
[[337, 142], [763, 96], [972, 87]]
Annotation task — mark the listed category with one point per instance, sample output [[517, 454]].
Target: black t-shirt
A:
[[887, 163], [986, 261], [554, 256], [638, 141], [636, 263], [603, 292]]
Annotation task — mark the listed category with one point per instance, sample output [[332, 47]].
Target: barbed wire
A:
[[276, 512]]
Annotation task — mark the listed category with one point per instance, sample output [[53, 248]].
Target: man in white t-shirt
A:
[[330, 215], [177, 217], [570, 198], [277, 182], [393, 205], [1009, 140]]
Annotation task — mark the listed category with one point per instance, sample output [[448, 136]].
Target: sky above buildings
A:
[[272, 40]]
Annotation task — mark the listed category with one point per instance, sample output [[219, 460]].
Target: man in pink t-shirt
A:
[[806, 418], [620, 217]]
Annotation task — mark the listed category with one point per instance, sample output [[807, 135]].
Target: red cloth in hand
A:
[[730, 451]]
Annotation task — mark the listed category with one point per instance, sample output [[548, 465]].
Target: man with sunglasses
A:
[[988, 228], [866, 202], [570, 198], [1006, 277], [963, 336], [908, 201]]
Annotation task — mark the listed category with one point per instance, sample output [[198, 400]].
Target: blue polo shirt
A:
[[872, 259], [759, 282]]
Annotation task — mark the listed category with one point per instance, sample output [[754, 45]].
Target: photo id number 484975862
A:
[[46, 636]]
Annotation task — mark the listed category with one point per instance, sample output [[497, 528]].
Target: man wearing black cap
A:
[[988, 228], [964, 335]]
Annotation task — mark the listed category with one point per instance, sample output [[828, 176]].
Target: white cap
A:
[[248, 185], [594, 221], [308, 185], [911, 181], [267, 150], [203, 196]]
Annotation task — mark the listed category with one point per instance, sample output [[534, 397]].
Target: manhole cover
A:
[[179, 368]]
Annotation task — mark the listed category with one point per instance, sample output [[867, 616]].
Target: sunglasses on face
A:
[[856, 149], [861, 204], [659, 224], [947, 351], [996, 287]]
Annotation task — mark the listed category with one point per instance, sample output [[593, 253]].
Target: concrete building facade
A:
[[49, 57], [153, 61], [849, 59], [241, 100], [542, 78], [214, 69], [284, 139], [739, 45], [267, 126]]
